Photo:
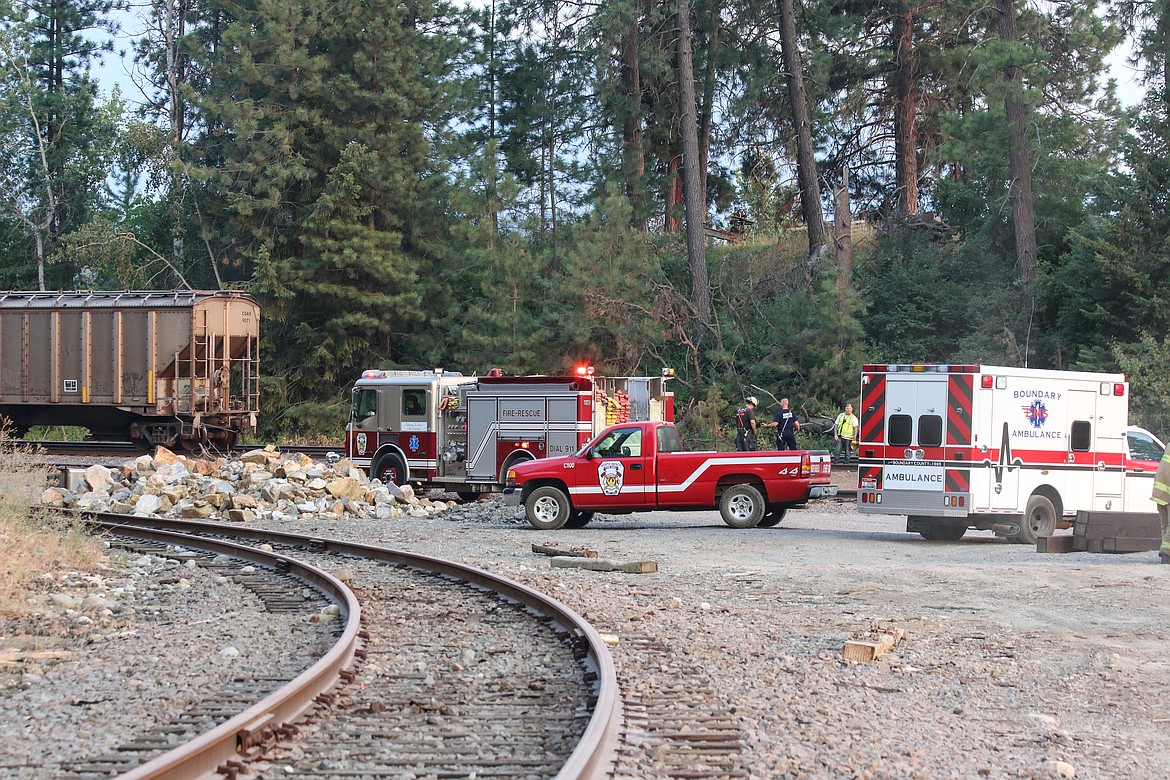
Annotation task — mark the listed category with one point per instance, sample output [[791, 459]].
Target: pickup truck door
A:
[[614, 472]]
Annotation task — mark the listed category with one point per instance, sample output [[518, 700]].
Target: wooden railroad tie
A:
[[1107, 532], [600, 564], [867, 650], [569, 552]]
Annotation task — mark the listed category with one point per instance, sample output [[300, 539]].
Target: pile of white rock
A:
[[260, 484]]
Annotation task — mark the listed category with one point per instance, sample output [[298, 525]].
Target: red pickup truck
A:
[[640, 467]]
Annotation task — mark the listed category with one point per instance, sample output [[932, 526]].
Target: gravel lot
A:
[[1013, 664]]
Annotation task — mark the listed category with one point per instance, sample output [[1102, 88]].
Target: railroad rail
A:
[[254, 730], [54, 447]]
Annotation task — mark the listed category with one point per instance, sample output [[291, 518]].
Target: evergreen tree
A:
[[318, 148]]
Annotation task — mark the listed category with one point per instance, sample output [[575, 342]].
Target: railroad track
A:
[[455, 673]]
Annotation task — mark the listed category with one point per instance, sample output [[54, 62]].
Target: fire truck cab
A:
[[1014, 450], [462, 433]]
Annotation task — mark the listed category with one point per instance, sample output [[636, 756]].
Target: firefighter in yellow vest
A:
[[1161, 497], [845, 434]]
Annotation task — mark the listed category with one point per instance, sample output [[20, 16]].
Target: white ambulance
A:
[[1014, 450]]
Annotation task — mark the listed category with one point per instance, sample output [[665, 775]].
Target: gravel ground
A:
[[1012, 665], [101, 658]]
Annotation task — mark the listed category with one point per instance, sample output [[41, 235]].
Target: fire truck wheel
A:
[[578, 519], [773, 517], [547, 508], [742, 506], [1039, 519], [391, 470]]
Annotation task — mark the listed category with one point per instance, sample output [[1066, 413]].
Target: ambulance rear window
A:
[[900, 429], [930, 430]]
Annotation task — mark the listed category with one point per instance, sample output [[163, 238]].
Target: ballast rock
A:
[[261, 484]]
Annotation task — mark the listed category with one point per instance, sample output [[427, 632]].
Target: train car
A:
[[172, 368]]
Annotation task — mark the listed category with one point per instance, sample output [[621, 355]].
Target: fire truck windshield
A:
[[365, 403]]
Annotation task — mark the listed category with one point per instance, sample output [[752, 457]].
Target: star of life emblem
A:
[[611, 475], [1036, 414]]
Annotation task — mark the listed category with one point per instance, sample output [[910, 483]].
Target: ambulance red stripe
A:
[[873, 409], [960, 389]]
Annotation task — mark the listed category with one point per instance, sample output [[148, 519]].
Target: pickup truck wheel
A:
[[742, 506], [578, 519], [773, 517], [547, 508], [1039, 520]]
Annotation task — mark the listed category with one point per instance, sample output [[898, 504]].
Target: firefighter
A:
[[845, 434], [1161, 497], [786, 426], [745, 426]]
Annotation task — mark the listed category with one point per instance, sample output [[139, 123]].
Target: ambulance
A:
[[1015, 450]]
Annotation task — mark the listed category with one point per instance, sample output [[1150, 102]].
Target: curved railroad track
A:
[[453, 672]]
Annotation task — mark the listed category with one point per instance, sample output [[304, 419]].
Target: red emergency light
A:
[[584, 370]]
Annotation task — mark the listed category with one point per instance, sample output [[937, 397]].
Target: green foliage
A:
[[1144, 363]]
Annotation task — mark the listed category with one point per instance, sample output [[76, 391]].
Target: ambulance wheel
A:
[[578, 519], [1039, 519], [547, 508], [391, 470], [742, 506], [773, 517]]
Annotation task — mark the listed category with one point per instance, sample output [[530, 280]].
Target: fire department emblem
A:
[[611, 474], [1036, 414], [413, 443], [361, 442]]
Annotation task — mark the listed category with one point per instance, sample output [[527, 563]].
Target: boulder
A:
[[99, 478], [164, 457]]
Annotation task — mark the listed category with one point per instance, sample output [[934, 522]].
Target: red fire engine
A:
[[462, 433]]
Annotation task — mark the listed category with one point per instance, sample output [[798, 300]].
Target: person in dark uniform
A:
[[745, 426], [786, 426]]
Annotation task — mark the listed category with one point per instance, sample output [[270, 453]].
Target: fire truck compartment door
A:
[[482, 434]]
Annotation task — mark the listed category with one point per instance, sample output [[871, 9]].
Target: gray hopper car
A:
[[171, 368]]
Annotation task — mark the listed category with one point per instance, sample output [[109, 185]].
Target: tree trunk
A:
[[843, 231], [708, 106], [806, 169], [905, 111], [634, 156], [1023, 209], [493, 207], [693, 197], [674, 193]]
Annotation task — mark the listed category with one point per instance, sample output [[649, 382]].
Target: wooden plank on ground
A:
[[1056, 544], [571, 552], [1100, 525], [866, 650], [1130, 544], [601, 564]]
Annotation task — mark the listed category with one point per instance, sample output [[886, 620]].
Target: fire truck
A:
[[462, 433], [1014, 450]]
